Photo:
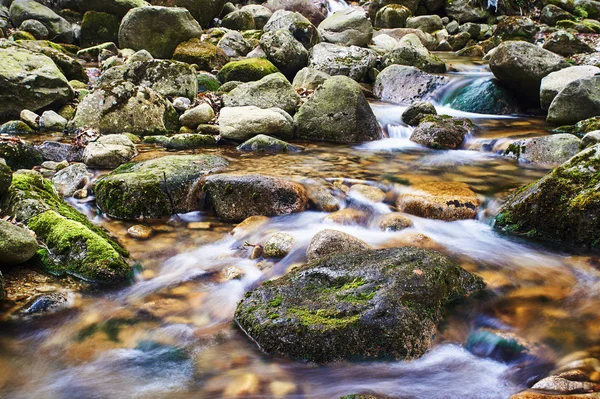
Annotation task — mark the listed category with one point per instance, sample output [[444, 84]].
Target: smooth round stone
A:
[[140, 231]]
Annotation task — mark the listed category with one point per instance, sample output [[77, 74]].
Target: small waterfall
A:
[[492, 3], [336, 5]]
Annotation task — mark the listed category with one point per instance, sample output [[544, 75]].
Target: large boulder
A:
[[484, 96], [566, 44], [335, 59], [349, 27], [404, 84], [551, 14], [204, 11], [59, 29], [467, 10], [115, 7], [368, 305], [159, 30], [273, 90], [411, 52], [309, 78], [169, 78], [553, 149], [556, 81], [338, 111], [579, 100], [108, 152], [16, 244], [521, 66], [426, 23], [30, 81], [120, 106], [206, 55], [236, 197], [155, 188], [562, 206], [298, 25], [246, 70], [441, 132], [284, 51], [516, 28], [71, 243], [243, 123]]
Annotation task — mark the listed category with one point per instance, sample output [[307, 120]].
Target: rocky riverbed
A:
[[299, 199]]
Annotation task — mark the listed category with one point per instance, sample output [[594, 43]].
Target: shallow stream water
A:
[[171, 334]]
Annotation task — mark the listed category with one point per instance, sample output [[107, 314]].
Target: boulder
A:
[[376, 304], [426, 39], [71, 243], [413, 114], [339, 112], [278, 245], [309, 78], [207, 56], [36, 28], [300, 27], [18, 154], [59, 29], [440, 200], [426, 23], [260, 14], [189, 141], [521, 66], [203, 11], [30, 81], [99, 27], [348, 27], [115, 7], [50, 121], [267, 144], [70, 179], [335, 59], [246, 70], [109, 152], [404, 84], [566, 44], [554, 82], [272, 91], [120, 106], [15, 127], [58, 152], [234, 45], [236, 197], [484, 96], [198, 115], [516, 28], [467, 10], [589, 139], [376, 5], [551, 14], [581, 127], [328, 241], [243, 123], [392, 16], [284, 51], [441, 132], [553, 149], [239, 20], [17, 245], [155, 188], [562, 206], [411, 52], [168, 78], [159, 30], [579, 100]]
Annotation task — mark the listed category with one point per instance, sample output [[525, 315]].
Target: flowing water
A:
[[171, 334]]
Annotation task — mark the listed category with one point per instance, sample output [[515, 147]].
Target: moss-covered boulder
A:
[[18, 154], [392, 16], [298, 25], [206, 55], [339, 112], [156, 188], [246, 70], [484, 96], [30, 81], [284, 51], [169, 78], [375, 304], [189, 141], [273, 90], [516, 28], [116, 7], [16, 244], [159, 30], [236, 197], [72, 244], [441, 132], [580, 128], [411, 52], [563, 206], [204, 11], [15, 127], [553, 149], [120, 106], [99, 27], [58, 28]]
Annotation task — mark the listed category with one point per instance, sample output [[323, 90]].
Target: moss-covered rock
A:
[[376, 304], [116, 7], [155, 188], [203, 11], [30, 81], [159, 30], [273, 90], [72, 244], [298, 25], [18, 154], [581, 127], [238, 196], [392, 16], [15, 127], [120, 106], [58, 28], [207, 82], [516, 28], [246, 70], [99, 27], [563, 206], [189, 141], [264, 143], [441, 131], [337, 112], [206, 55]]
